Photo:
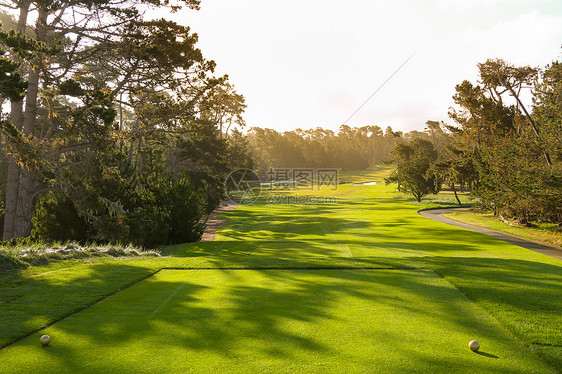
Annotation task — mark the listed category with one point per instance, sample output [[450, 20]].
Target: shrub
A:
[[56, 219], [169, 211]]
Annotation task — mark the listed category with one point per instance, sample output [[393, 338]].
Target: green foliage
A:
[[239, 154], [348, 149], [168, 211], [71, 88], [510, 156], [11, 84], [110, 202], [351, 148], [413, 171], [23, 46], [548, 109], [517, 183], [111, 60], [56, 219], [209, 158]]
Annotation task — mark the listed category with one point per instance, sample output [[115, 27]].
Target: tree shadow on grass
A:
[[525, 285], [317, 237], [208, 317], [221, 314], [525, 296], [332, 229], [331, 236], [28, 303]]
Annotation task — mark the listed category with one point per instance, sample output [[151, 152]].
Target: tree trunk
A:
[[13, 178], [12, 187], [13, 172], [26, 180], [456, 196], [24, 213], [529, 119], [140, 157], [24, 209]]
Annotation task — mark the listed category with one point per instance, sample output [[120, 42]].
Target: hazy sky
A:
[[309, 63]]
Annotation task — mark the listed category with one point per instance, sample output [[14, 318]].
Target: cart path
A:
[[437, 215]]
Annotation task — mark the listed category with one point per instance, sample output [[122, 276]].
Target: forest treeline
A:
[[350, 148]]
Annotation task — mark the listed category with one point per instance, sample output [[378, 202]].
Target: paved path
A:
[[437, 215]]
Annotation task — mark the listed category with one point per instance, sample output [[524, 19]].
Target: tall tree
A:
[[505, 146], [499, 77]]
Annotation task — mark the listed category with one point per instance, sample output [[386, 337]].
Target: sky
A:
[[313, 63]]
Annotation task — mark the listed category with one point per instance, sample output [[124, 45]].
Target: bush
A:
[[169, 211], [162, 209], [56, 219]]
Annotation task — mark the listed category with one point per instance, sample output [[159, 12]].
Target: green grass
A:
[[390, 321], [282, 289], [546, 233]]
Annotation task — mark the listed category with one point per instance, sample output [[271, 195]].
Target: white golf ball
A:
[[45, 340], [474, 345]]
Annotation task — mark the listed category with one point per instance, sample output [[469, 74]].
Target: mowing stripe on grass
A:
[[89, 305], [507, 331], [167, 300], [330, 234], [86, 306], [278, 321]]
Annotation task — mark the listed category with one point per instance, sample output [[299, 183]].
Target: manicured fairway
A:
[[391, 321], [283, 288]]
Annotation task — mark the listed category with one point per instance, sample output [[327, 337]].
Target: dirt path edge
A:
[[214, 223]]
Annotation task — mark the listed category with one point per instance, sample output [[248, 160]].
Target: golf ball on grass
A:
[[474, 345], [45, 340]]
